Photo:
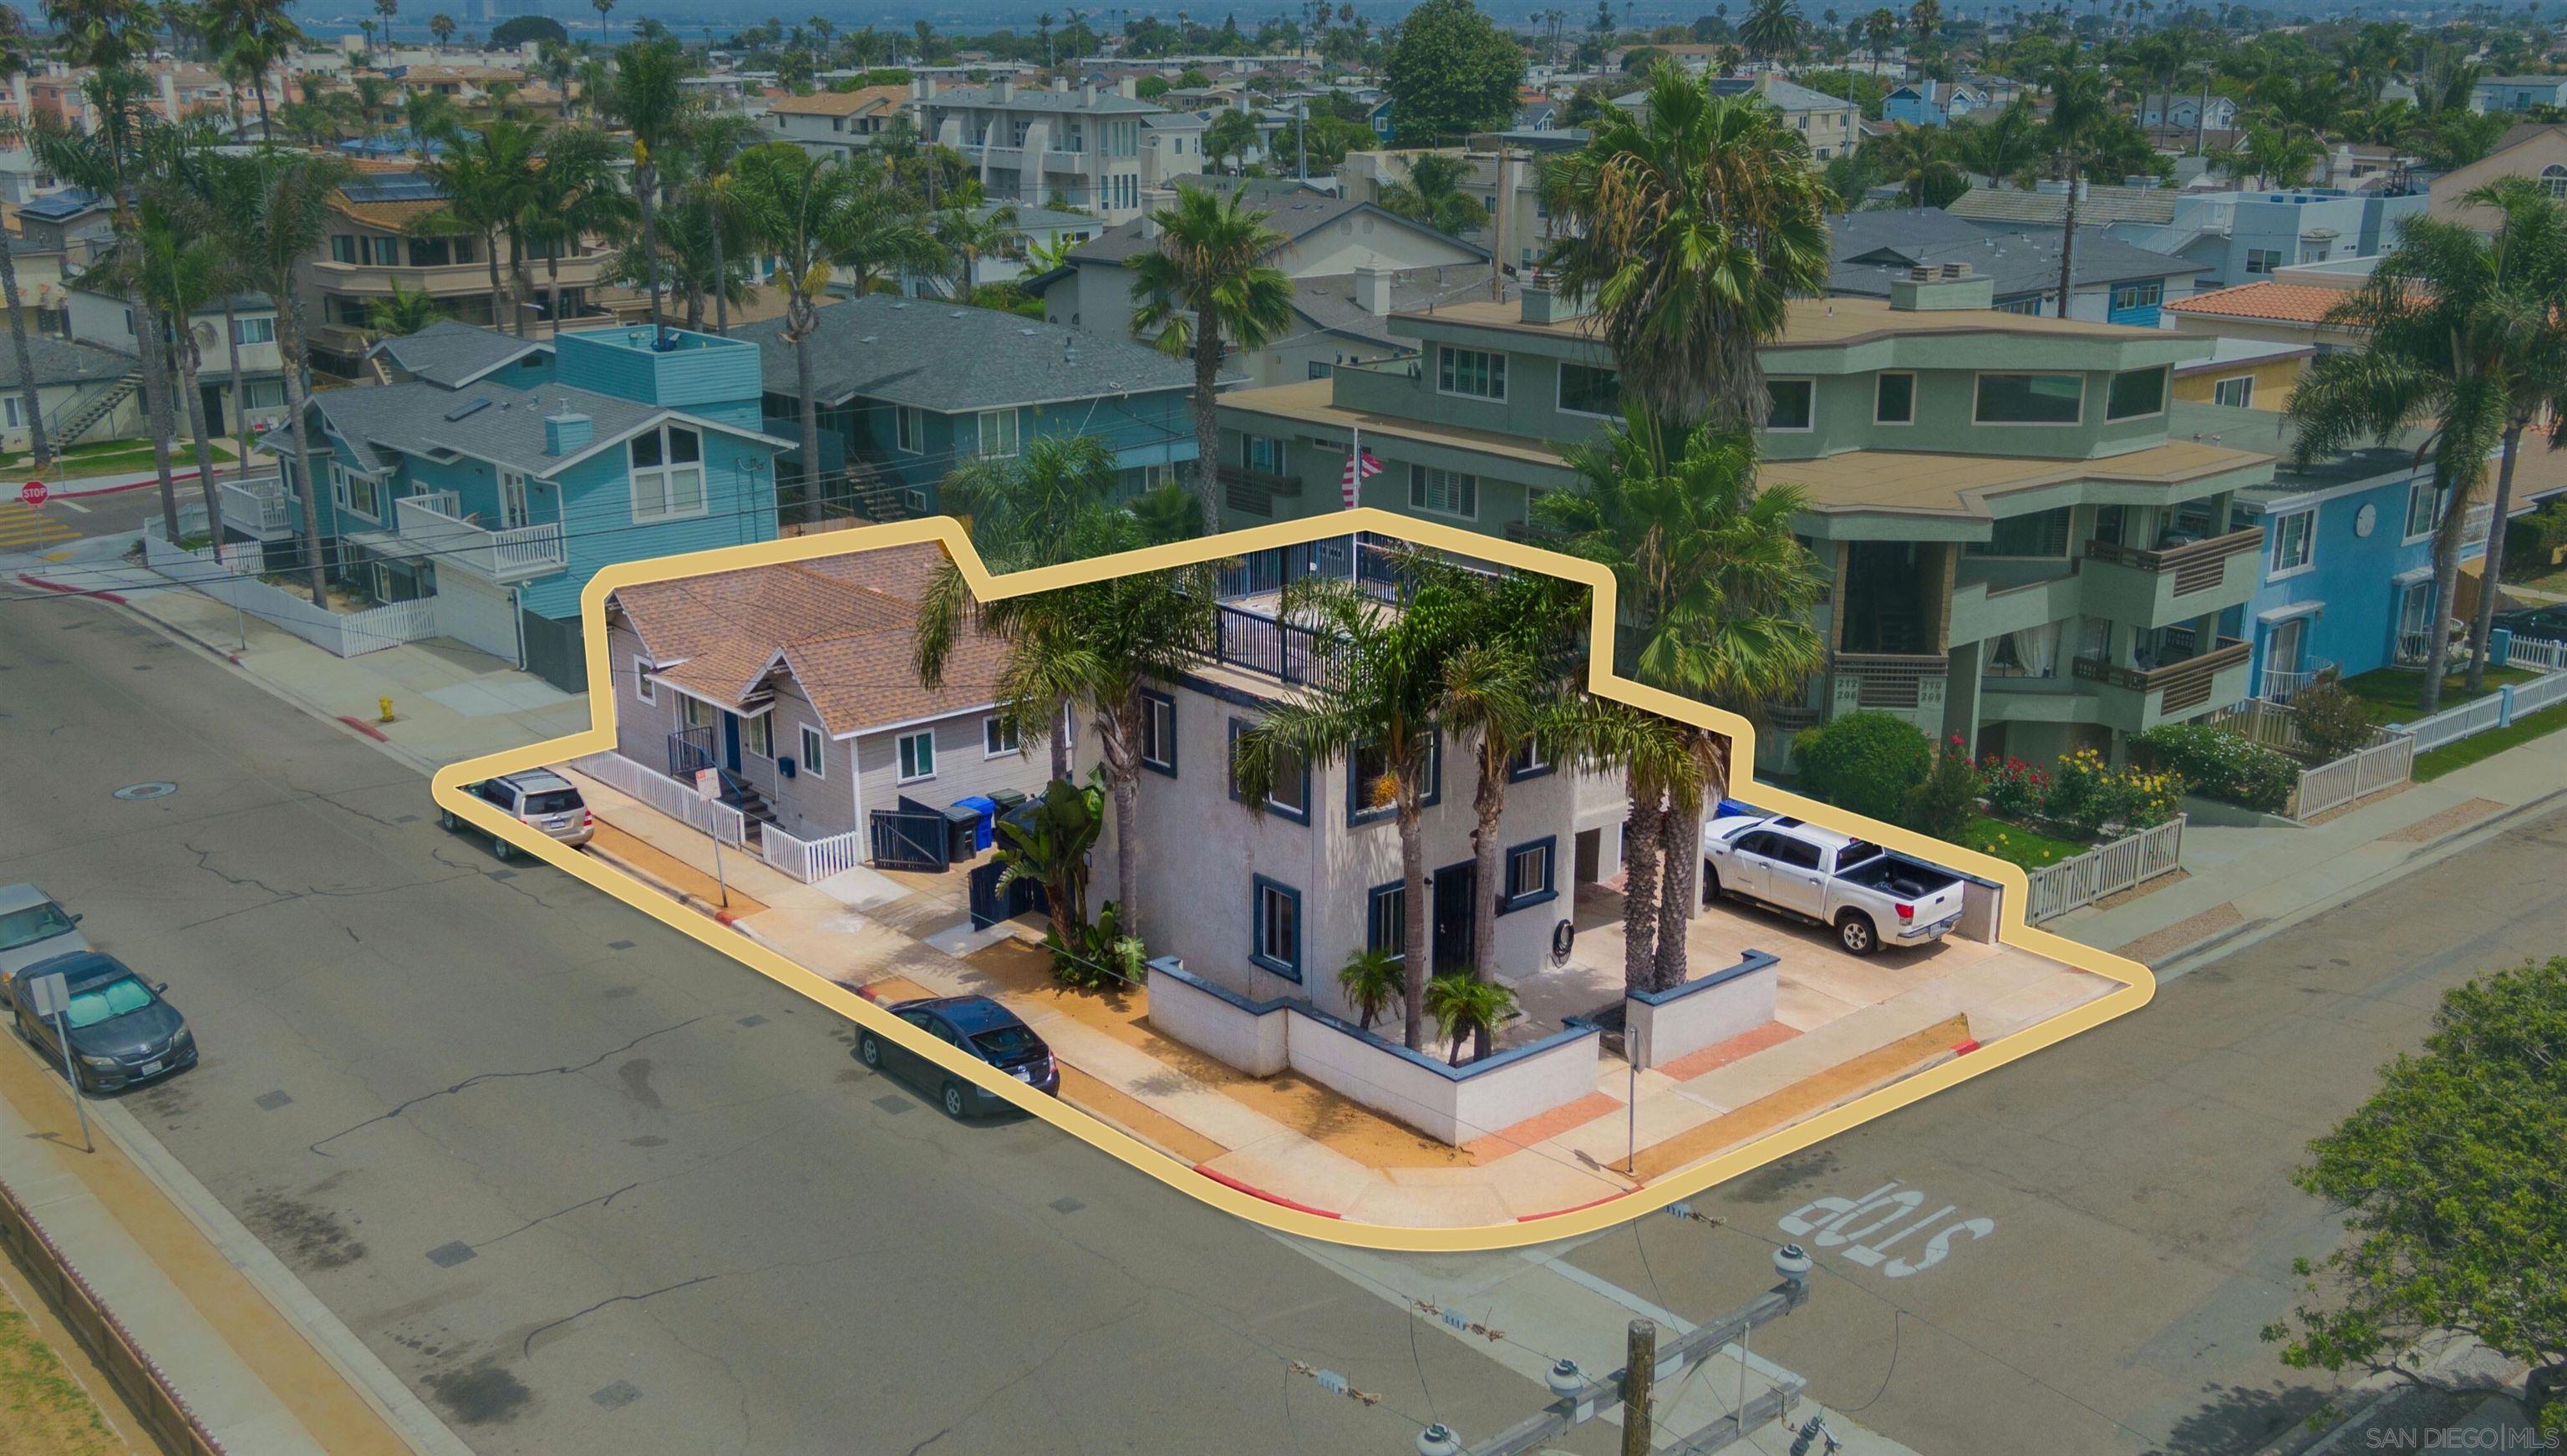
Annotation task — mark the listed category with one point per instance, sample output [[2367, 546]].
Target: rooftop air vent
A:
[[460, 411]]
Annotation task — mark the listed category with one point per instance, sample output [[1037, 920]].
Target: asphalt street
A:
[[588, 1187]]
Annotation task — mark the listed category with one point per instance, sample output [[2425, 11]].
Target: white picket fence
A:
[[2106, 870], [2364, 770], [811, 860], [2537, 653], [231, 578], [678, 801]]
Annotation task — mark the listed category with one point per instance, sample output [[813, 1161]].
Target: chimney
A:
[[567, 432], [920, 88], [1372, 288], [1060, 84], [1128, 87], [1930, 289], [1087, 94], [1150, 225], [170, 95], [1007, 88]]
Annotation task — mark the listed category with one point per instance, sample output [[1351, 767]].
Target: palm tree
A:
[[1371, 978], [2531, 338], [431, 116], [884, 234], [648, 100], [715, 142], [442, 26], [2278, 156], [575, 197], [1913, 157], [1879, 28], [280, 232], [2002, 147], [1231, 134], [1208, 282], [2079, 108], [969, 231], [1432, 193], [1379, 679], [1925, 17], [387, 9], [491, 190], [259, 35], [1716, 597], [1771, 29], [795, 207], [1466, 1010], [603, 8], [15, 55], [180, 267], [2440, 316], [403, 312], [1691, 226]]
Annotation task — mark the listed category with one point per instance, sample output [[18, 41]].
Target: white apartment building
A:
[[1086, 148]]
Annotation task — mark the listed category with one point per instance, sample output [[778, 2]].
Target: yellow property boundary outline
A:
[[2136, 984]]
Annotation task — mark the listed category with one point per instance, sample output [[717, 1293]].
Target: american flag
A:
[[1360, 464]]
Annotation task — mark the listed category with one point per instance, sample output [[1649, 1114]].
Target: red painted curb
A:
[[1964, 1048], [362, 726], [40, 581], [1572, 1208], [1252, 1191], [724, 917], [176, 477]]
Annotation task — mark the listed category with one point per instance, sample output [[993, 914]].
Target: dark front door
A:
[[730, 742], [216, 427], [1454, 887]]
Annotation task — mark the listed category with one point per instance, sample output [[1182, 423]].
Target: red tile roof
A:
[[2283, 302]]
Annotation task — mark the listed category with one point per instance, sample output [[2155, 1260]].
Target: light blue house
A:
[[498, 501], [909, 388], [1932, 102], [2244, 237], [2517, 92]]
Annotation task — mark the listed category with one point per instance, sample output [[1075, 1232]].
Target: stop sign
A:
[[33, 492]]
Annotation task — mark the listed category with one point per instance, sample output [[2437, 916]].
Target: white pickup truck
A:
[[1869, 895]]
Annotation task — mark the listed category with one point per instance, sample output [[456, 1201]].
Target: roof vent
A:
[[468, 407]]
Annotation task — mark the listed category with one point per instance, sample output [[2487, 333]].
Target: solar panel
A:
[[460, 411], [393, 188]]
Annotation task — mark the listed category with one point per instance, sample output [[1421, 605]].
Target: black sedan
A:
[[2548, 622], [976, 1026], [121, 1032]]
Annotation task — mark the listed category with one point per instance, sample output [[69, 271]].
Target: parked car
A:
[[122, 1030], [2548, 624], [978, 1026], [1868, 895], [33, 927], [540, 799]]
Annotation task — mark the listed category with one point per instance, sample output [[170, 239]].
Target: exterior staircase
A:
[[73, 422]]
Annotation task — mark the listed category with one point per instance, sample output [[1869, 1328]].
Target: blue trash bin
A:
[[986, 834]]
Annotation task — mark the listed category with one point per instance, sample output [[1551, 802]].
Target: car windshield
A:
[[1006, 1043], [115, 998], [32, 923], [558, 801]]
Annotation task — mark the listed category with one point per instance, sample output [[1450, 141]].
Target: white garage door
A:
[[476, 613]]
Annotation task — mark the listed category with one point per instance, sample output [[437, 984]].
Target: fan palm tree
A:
[[1466, 1009], [1691, 225], [1432, 193], [180, 267], [491, 190], [2440, 317], [1379, 679], [2080, 105], [15, 55], [403, 312], [1207, 283], [604, 8], [1716, 597], [442, 26], [1371, 978], [575, 197], [648, 100], [714, 143], [1771, 29], [795, 205], [1925, 17], [1879, 28]]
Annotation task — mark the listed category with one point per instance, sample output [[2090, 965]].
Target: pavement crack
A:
[[477, 1078], [205, 862], [526, 1350], [601, 1201]]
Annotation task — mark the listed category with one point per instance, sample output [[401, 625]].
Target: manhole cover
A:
[[147, 791]]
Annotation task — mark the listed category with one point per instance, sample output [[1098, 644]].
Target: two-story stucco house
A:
[[835, 124], [246, 330], [1083, 148], [910, 387], [2024, 552], [797, 682], [499, 500]]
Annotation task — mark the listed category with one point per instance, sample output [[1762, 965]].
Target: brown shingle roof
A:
[[841, 103], [844, 627]]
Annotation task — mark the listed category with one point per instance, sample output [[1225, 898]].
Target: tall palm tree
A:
[[795, 205], [1208, 282], [2440, 317], [1691, 225], [491, 190], [2080, 105], [1432, 193], [575, 197], [1660, 765], [16, 57], [884, 234], [1925, 17], [1771, 29], [2531, 336], [1879, 28], [442, 26], [714, 143], [285, 225], [1716, 597], [648, 100], [603, 8], [969, 231], [180, 268], [1379, 679]]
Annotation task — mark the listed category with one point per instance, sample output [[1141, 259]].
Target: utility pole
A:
[[1577, 1399]]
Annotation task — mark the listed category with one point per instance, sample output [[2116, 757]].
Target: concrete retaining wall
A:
[[1661, 1026], [1245, 1033]]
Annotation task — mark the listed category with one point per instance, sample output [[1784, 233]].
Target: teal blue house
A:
[[494, 482], [910, 387]]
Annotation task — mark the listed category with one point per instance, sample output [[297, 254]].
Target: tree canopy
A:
[[516, 30], [1452, 72]]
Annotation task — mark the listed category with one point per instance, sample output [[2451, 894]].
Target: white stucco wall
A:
[[1705, 1015]]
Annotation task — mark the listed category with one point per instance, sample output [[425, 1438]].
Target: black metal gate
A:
[[990, 904], [689, 749], [903, 841], [1454, 887]]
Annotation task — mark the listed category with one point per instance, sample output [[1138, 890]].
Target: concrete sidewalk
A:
[[195, 1289]]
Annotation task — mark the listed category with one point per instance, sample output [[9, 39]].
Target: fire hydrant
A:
[[384, 706]]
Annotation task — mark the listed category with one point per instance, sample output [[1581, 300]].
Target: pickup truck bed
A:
[[1869, 895]]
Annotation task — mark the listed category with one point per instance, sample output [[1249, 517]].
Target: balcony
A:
[[2153, 589], [433, 524], [1254, 491], [1906, 685], [2136, 698], [448, 279], [260, 509]]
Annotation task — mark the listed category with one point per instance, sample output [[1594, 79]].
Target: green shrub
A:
[[2334, 721], [1947, 802], [1865, 761], [2015, 789], [2083, 793], [2220, 765], [2530, 542]]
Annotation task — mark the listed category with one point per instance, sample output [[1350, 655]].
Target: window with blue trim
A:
[[1529, 875], [1275, 927], [1528, 761], [1386, 921], [1159, 732], [1289, 796], [1368, 766]]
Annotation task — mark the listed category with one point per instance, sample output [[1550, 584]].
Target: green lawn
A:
[[2469, 750], [2012, 842], [2395, 695], [114, 457], [43, 1410]]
